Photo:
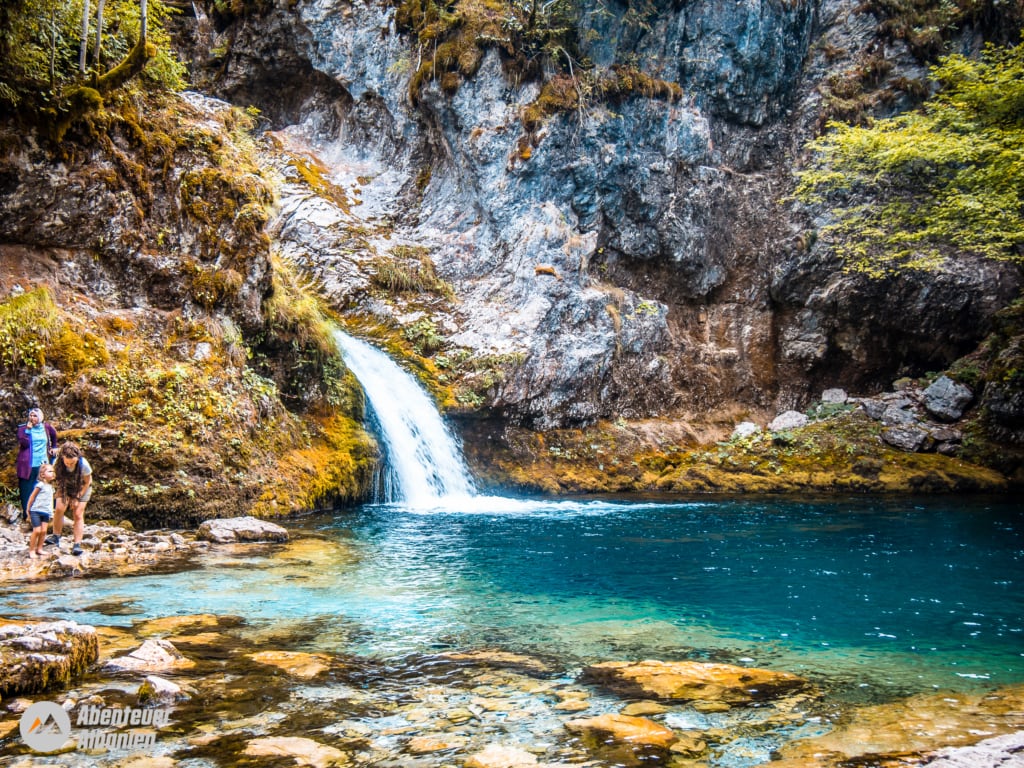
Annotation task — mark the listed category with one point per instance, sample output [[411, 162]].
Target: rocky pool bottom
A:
[[391, 637]]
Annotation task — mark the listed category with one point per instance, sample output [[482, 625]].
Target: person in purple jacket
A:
[[37, 443]]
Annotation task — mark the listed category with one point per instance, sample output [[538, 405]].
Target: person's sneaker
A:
[[77, 549], [52, 539]]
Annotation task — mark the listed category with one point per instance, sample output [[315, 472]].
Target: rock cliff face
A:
[[634, 257]]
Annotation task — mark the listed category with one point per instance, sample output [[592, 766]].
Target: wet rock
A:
[[157, 690], [788, 420], [151, 656], [500, 756], [240, 529], [691, 680], [37, 656], [295, 663], [303, 751], [689, 745], [909, 438], [637, 731], [946, 400], [110, 550], [745, 429]]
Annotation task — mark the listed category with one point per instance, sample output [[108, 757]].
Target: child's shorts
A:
[[39, 518]]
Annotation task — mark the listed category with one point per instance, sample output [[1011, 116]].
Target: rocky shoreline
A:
[[230, 692]]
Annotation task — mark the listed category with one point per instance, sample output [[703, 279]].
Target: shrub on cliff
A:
[[908, 191]]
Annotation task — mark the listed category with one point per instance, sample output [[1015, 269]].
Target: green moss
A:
[[27, 324]]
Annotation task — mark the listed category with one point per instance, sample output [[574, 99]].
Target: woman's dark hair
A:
[[68, 482]]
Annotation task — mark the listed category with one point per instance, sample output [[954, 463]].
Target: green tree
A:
[[44, 72], [909, 191]]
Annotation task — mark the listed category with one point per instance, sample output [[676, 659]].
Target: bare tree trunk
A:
[[53, 46], [143, 20], [99, 33], [84, 47]]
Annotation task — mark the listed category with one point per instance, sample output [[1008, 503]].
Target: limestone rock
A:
[[745, 429], [999, 752], [693, 680], [37, 656], [907, 438], [834, 396], [304, 751], [151, 656], [787, 420], [894, 417], [909, 727], [499, 659], [239, 529], [636, 731], [946, 400]]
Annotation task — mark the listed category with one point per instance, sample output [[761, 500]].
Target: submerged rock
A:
[[909, 729], [160, 691], [295, 663], [500, 756], [692, 680], [236, 529], [304, 751], [624, 728], [38, 656]]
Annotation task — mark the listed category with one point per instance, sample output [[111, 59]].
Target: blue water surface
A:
[[896, 595]]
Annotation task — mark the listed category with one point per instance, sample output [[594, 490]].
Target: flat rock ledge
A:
[[693, 681], [111, 550], [35, 657], [240, 529]]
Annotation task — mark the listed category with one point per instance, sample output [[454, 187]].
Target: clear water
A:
[[884, 596]]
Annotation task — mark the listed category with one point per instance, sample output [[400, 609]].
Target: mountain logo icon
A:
[[45, 726]]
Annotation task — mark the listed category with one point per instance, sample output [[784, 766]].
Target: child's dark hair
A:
[[68, 482]]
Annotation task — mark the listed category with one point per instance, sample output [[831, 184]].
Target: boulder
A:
[[788, 420], [151, 656], [636, 731], [834, 396], [893, 416], [693, 681], [874, 408], [907, 438], [946, 400], [239, 529], [745, 429], [37, 656]]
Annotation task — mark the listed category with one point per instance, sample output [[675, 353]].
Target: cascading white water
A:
[[424, 460]]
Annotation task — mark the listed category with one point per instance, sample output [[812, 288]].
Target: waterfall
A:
[[424, 465]]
